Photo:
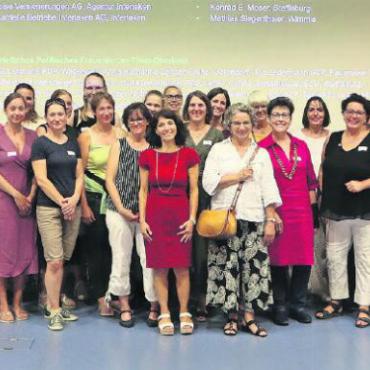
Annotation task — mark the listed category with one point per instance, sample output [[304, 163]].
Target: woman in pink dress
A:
[[167, 213], [18, 254], [297, 183]]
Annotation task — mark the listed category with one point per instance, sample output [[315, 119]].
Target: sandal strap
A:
[[336, 305], [365, 311], [185, 314], [164, 316], [125, 311], [251, 322]]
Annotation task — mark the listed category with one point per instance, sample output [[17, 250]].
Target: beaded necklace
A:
[[166, 191], [289, 175]]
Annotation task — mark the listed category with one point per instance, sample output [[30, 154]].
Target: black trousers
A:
[[95, 250], [292, 290]]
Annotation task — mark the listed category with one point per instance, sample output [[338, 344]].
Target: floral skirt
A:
[[239, 270]]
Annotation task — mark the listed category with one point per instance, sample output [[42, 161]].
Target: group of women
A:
[[95, 185]]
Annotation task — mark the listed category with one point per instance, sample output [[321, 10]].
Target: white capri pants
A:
[[121, 240], [339, 236]]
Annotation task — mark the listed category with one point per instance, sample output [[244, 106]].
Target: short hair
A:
[[11, 97], [98, 97], [59, 92], [203, 97], [55, 101], [181, 134], [96, 74], [235, 108], [141, 107], [24, 85], [281, 101], [219, 90], [153, 92], [356, 98], [305, 121], [258, 97]]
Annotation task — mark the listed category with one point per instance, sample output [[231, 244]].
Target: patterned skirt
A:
[[239, 271]]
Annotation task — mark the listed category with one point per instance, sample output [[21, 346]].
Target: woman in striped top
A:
[[122, 182]]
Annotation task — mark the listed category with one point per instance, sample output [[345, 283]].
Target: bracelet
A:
[[271, 219], [192, 220]]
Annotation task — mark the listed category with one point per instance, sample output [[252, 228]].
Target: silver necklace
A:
[[166, 191]]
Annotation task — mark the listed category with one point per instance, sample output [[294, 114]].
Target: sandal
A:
[[20, 314], [165, 325], [364, 319], [152, 323], [126, 323], [260, 332], [186, 325], [326, 314], [231, 327], [6, 317]]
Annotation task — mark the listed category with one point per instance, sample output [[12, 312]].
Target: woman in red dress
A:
[[167, 212]]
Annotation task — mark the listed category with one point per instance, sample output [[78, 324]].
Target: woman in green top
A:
[[201, 136], [95, 143]]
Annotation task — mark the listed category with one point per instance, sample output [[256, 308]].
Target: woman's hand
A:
[[279, 226], [129, 215], [68, 207], [23, 204], [186, 230], [145, 230], [245, 174], [87, 215], [269, 233], [354, 186]]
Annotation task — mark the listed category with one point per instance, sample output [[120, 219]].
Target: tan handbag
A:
[[221, 223]]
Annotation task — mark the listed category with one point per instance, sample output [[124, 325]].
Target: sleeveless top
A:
[[127, 178], [339, 167]]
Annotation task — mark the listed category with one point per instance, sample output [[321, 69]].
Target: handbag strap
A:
[[240, 186]]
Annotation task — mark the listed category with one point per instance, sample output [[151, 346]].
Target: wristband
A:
[[192, 220]]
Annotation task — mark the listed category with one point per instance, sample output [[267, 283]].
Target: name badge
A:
[[12, 154], [83, 129], [71, 152], [207, 142], [362, 148]]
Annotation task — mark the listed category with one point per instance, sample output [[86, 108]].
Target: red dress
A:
[[168, 206]]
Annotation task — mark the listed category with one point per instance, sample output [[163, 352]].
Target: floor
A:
[[100, 343]]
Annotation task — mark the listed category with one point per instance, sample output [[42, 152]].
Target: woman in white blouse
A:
[[238, 268]]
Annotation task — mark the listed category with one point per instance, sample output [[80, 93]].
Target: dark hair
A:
[[12, 97], [32, 115], [96, 74], [153, 92], [24, 85], [54, 101], [305, 121], [356, 98], [98, 97], [203, 97], [57, 93], [141, 107], [281, 101], [180, 137], [219, 90]]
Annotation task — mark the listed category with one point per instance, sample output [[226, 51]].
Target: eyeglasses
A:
[[137, 121], [173, 97], [57, 101], [354, 112], [280, 115]]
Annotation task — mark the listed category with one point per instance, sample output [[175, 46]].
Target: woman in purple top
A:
[[297, 184], [18, 254]]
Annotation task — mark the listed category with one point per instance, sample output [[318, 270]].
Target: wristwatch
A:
[[192, 220]]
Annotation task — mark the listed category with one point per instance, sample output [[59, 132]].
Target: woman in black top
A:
[[57, 165], [346, 205]]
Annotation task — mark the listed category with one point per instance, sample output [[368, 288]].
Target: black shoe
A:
[[301, 315], [280, 316], [126, 323]]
